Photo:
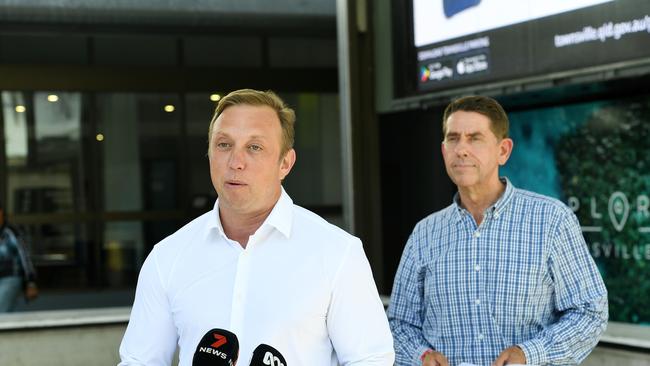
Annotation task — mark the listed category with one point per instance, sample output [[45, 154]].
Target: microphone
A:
[[265, 355], [218, 347]]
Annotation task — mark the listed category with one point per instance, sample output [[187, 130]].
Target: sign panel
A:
[[466, 42], [595, 157]]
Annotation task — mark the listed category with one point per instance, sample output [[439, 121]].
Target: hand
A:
[[31, 291], [511, 355], [435, 359]]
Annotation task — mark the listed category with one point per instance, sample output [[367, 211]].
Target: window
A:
[[96, 179]]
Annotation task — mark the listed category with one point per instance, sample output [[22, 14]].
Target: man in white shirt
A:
[[257, 265]]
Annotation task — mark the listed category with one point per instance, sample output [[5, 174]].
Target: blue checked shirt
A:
[[523, 277]]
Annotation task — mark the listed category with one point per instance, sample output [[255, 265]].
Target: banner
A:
[[595, 157]]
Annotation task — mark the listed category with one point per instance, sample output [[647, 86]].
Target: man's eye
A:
[[255, 147], [223, 145]]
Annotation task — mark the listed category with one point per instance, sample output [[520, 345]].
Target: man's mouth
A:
[[463, 165], [235, 183]]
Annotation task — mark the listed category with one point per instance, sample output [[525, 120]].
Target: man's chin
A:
[[234, 203], [464, 181]]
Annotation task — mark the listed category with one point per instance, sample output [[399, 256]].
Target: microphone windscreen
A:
[[218, 347], [265, 355]]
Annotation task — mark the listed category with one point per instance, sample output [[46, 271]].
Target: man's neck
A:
[[477, 199], [239, 227]]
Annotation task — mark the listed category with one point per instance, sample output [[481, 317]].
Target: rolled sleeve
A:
[[580, 298], [406, 309], [535, 352], [150, 337], [356, 321]]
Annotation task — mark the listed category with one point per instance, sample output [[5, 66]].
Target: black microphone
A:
[[218, 347], [265, 355]]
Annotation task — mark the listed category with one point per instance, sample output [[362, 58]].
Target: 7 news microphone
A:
[[219, 347]]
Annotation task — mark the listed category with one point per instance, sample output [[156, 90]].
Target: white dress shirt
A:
[[301, 285]]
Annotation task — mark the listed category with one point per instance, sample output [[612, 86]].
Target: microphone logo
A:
[[265, 355], [218, 347], [220, 340], [272, 360]]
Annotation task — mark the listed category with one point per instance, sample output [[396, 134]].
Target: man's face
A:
[[245, 164], [472, 152]]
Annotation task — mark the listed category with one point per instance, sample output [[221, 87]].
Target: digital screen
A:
[[437, 21], [595, 157], [465, 42]]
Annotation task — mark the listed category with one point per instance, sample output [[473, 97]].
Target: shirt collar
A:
[[505, 199], [495, 209], [281, 217]]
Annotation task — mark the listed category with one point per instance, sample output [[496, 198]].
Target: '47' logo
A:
[[271, 360]]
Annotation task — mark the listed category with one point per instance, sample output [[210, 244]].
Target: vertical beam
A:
[[342, 20], [360, 130]]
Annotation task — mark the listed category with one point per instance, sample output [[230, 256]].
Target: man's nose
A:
[[461, 148], [237, 160]]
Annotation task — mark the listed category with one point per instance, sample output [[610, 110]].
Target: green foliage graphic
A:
[[604, 164]]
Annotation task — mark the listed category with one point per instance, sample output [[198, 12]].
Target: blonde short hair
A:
[[267, 98]]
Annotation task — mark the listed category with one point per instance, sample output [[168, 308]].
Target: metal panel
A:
[[194, 12]]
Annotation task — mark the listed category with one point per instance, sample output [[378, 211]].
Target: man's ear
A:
[[287, 163], [505, 149]]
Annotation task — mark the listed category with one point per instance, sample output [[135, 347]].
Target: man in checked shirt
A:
[[501, 276]]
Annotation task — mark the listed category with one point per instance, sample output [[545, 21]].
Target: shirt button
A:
[[477, 268], [477, 301], [480, 336], [477, 234]]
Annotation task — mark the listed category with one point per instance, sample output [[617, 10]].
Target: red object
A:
[[221, 340]]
